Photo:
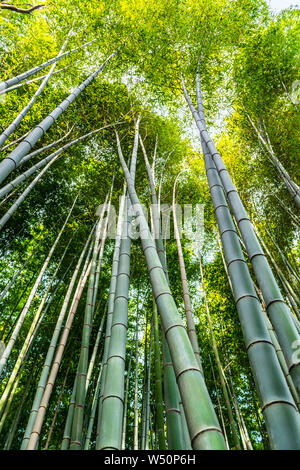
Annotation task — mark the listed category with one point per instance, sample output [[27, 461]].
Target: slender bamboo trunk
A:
[[95, 350], [289, 291], [25, 310], [57, 409], [68, 423], [219, 404], [28, 338], [136, 385], [186, 295], [12, 281], [50, 354], [148, 392], [18, 78], [46, 161], [289, 183], [14, 125], [44, 148], [126, 405], [17, 417], [145, 389], [22, 197], [93, 411], [242, 425], [110, 304], [14, 87]]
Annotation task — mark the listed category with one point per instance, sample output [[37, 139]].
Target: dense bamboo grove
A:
[[149, 226]]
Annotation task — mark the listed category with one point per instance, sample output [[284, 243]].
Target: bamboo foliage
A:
[[110, 434]]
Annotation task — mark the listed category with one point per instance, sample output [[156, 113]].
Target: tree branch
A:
[[6, 6]]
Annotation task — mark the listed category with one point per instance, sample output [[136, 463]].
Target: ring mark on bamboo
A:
[[219, 185], [147, 247], [228, 230], [215, 153], [256, 254], [114, 355], [208, 429], [121, 297], [155, 267], [172, 410], [162, 293], [221, 205], [293, 365], [187, 370], [245, 296], [113, 396], [173, 326], [8, 158], [273, 402], [243, 218], [258, 342], [236, 259], [31, 146], [124, 274], [211, 168], [273, 301], [231, 191], [119, 323]]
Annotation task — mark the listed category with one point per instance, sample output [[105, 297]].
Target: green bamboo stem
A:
[[93, 411], [10, 162], [81, 386], [110, 303], [171, 392], [47, 389], [136, 384], [34, 323], [17, 417], [68, 423], [219, 403], [14, 125], [191, 329], [148, 392], [126, 405]]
